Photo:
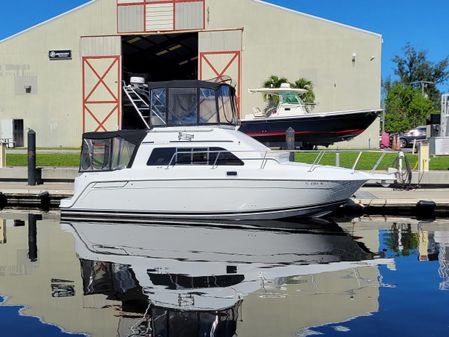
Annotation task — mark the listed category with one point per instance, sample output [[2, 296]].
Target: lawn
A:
[[45, 159], [368, 160], [347, 159]]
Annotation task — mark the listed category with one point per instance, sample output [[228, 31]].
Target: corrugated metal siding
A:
[[159, 17], [189, 15], [100, 46], [130, 18], [220, 41]]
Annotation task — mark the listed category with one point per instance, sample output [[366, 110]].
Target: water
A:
[[360, 277]]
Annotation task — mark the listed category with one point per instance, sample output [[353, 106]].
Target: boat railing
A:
[[399, 165], [321, 153]]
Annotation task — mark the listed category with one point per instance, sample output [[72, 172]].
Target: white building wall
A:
[[54, 106], [275, 42], [289, 44]]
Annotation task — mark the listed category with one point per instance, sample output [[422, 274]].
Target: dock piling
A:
[[290, 140]]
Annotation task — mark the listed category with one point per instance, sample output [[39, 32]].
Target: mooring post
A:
[[290, 140], [32, 174], [32, 237]]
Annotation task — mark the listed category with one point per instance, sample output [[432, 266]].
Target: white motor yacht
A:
[[193, 162]]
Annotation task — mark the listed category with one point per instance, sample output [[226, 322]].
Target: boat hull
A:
[[212, 199], [312, 129]]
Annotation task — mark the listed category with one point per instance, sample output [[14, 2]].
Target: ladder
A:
[[142, 108]]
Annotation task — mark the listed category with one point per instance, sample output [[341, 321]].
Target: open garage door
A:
[[220, 56], [101, 74], [156, 57]]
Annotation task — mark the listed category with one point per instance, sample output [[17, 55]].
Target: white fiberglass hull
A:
[[232, 199], [248, 182]]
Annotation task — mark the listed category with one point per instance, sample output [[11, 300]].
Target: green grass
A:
[[368, 160], [347, 159], [50, 148], [439, 163], [45, 159]]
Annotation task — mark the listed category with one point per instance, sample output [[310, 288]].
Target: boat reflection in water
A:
[[191, 279]]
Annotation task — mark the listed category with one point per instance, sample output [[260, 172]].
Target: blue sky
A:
[[422, 23]]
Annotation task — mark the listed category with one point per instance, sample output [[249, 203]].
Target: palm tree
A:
[[274, 82], [302, 83]]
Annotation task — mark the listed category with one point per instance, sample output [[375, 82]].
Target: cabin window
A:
[[95, 155], [106, 154], [208, 107], [161, 156], [158, 105], [214, 156], [225, 105], [122, 152], [221, 157], [183, 106]]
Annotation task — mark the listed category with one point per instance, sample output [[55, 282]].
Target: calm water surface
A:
[[360, 277]]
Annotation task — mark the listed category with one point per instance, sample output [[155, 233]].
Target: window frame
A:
[[211, 160]]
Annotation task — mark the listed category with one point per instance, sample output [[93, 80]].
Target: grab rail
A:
[[265, 157]]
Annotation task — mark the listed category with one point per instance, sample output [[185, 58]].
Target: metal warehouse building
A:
[[65, 76]]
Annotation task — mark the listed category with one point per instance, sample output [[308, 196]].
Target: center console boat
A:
[[192, 162]]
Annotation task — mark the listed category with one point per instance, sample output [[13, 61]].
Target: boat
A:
[[195, 276], [270, 124], [193, 162]]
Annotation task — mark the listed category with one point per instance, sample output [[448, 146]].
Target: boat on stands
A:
[[193, 162], [285, 109]]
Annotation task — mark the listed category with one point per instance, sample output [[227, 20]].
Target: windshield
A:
[[290, 98]]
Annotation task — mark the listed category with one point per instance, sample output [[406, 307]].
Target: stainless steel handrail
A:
[[265, 157]]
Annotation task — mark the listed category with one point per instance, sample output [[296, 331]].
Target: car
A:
[[406, 139]]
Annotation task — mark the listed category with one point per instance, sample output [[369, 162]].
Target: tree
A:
[[405, 108], [274, 82], [413, 68], [302, 83]]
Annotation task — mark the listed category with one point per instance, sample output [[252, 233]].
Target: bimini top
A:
[[188, 103]]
